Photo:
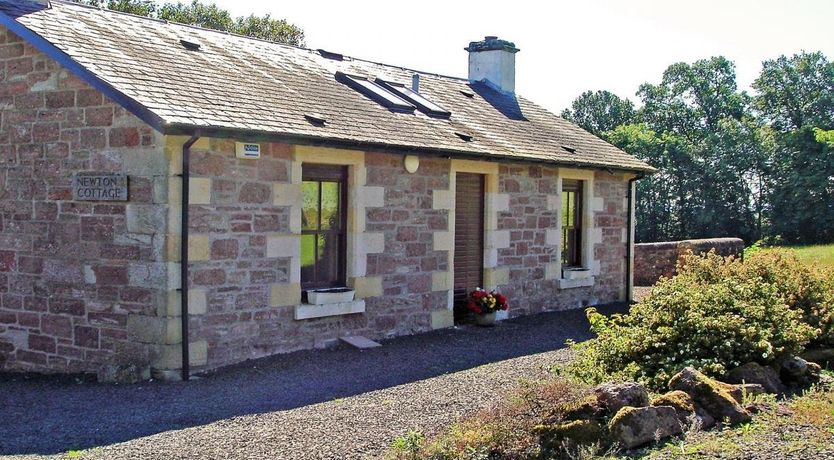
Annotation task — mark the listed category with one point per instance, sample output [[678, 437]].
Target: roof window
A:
[[426, 106], [375, 92]]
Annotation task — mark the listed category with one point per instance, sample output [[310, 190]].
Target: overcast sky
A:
[[566, 47]]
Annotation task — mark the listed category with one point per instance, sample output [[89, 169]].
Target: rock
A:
[[634, 426], [796, 371], [583, 409], [572, 434], [753, 372], [688, 413], [710, 395], [738, 391], [614, 396], [822, 356]]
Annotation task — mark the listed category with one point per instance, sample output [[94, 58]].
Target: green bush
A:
[[714, 315]]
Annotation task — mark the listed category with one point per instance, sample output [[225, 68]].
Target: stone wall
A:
[[92, 287], [654, 260], [246, 289], [72, 273]]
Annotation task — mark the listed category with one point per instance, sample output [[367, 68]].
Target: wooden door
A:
[[469, 237]]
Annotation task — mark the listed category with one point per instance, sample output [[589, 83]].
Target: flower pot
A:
[[487, 319]]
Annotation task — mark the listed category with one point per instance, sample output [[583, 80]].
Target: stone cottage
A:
[[168, 191]]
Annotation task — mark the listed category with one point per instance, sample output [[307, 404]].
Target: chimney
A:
[[493, 60]]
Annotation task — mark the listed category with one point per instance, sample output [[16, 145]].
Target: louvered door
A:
[[469, 236]]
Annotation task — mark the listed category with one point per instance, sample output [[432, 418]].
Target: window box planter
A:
[[575, 273], [308, 311], [328, 296]]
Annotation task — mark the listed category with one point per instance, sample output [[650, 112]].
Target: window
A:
[[426, 106], [323, 226], [571, 223], [376, 93]]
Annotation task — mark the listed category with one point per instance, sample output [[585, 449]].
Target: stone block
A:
[[443, 199], [554, 203], [146, 219], [199, 190], [197, 302], [169, 357], [198, 248], [285, 194], [498, 239], [495, 277], [284, 294], [443, 241], [552, 237], [441, 281], [146, 162], [154, 330], [283, 245], [373, 197], [366, 287], [441, 319]]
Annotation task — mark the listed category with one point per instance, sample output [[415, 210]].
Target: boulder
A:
[[688, 413], [583, 409], [822, 356], [571, 434], [710, 395], [614, 396], [634, 426], [738, 391], [796, 371], [753, 372]]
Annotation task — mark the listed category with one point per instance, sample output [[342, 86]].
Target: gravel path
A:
[[341, 403]]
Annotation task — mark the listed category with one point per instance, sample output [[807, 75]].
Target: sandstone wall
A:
[[73, 272], [654, 260]]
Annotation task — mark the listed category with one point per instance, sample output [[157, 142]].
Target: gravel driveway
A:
[[341, 403]]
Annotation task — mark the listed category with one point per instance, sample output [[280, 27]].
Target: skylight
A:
[[376, 93], [426, 106]]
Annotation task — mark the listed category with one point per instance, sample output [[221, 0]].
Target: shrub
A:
[[505, 431], [714, 315]]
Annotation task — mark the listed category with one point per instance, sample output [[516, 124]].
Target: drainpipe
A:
[[629, 242], [186, 154]]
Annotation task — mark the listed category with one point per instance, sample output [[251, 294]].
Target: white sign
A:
[[247, 150]]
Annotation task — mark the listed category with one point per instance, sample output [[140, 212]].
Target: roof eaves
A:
[[324, 141], [43, 45]]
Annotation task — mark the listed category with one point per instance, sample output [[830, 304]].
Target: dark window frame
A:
[[572, 196], [311, 172]]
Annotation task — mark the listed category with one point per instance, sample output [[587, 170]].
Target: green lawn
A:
[[820, 254]]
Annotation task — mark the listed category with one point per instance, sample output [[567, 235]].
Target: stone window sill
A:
[[574, 283], [308, 311]]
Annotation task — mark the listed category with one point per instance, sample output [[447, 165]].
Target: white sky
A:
[[566, 47]]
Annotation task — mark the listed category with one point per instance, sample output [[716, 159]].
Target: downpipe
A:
[[184, 219], [629, 237]]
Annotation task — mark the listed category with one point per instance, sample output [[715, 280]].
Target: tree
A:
[[599, 111], [713, 154], [209, 16], [796, 99]]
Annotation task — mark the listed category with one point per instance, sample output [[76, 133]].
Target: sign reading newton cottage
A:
[[91, 186]]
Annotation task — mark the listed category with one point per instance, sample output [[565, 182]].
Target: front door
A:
[[469, 238]]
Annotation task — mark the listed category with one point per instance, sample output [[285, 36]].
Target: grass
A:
[[821, 254]]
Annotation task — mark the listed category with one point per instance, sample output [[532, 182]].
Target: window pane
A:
[[310, 205], [330, 205], [308, 258], [328, 262]]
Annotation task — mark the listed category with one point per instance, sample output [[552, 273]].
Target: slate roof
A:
[[249, 86]]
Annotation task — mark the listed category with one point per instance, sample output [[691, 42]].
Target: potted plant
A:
[[484, 304]]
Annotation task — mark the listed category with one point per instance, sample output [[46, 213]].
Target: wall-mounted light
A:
[[411, 163]]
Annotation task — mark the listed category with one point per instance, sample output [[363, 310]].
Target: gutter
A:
[[186, 176], [629, 237]]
